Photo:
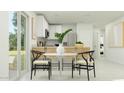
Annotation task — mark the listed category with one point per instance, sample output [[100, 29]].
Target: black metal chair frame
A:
[[36, 55], [88, 66]]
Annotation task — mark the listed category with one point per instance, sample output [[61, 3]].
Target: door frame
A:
[[19, 73]]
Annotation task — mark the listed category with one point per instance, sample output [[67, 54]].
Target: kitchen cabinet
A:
[[53, 29], [41, 26]]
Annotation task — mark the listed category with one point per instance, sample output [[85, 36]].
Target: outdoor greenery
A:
[[14, 53], [60, 36], [13, 35], [13, 41]]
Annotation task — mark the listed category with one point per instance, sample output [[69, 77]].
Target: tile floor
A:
[[105, 71]]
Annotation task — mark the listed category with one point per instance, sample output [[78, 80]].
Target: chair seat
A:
[[38, 62], [83, 62]]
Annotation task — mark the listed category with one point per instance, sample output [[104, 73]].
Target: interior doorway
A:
[[101, 43]]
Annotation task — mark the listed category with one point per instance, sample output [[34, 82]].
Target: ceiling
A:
[[97, 18]]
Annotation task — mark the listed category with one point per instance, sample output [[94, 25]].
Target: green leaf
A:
[[61, 36], [64, 33]]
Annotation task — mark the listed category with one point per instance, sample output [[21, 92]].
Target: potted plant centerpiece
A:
[[79, 44], [60, 37]]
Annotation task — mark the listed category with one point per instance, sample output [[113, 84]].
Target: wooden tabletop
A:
[[55, 54]]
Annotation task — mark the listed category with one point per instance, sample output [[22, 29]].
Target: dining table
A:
[[61, 57]]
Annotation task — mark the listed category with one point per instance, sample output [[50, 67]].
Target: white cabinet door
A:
[[58, 28], [45, 26], [41, 25], [53, 29]]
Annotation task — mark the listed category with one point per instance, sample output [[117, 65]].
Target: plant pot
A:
[[60, 50], [79, 45]]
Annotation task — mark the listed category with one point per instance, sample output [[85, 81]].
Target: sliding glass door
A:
[[23, 42], [18, 25]]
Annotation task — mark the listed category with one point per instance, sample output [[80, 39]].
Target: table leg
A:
[[75, 59], [61, 65]]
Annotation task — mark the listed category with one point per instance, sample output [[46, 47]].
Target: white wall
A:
[[30, 42], [4, 47], [113, 54], [85, 34]]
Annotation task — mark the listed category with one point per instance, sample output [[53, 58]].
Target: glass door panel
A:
[[12, 45], [23, 42]]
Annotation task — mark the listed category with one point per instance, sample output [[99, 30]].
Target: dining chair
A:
[[38, 63], [87, 63]]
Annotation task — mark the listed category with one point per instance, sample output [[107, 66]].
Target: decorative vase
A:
[[60, 50]]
